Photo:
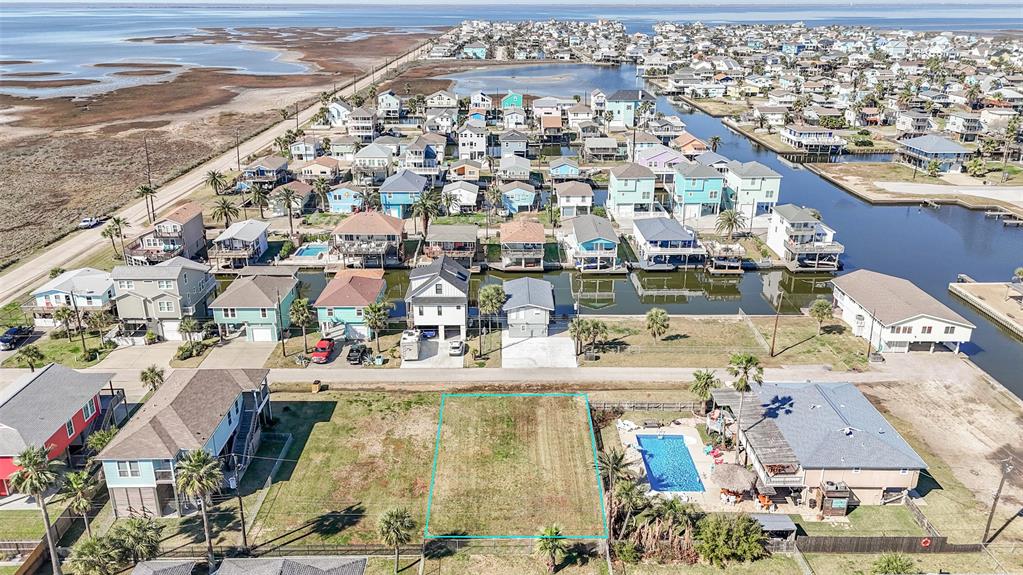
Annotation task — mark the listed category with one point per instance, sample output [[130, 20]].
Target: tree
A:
[[376, 315], [118, 225], [65, 316], [613, 467], [550, 545], [714, 142], [260, 198], [976, 167], [491, 298], [288, 197], [369, 198], [395, 528], [893, 564], [93, 556], [54, 272], [730, 221], [821, 311], [657, 322], [97, 321], [190, 327], [578, 329], [746, 368], [30, 355], [321, 186], [726, 538], [494, 199], [100, 438], [426, 206], [137, 538], [152, 377], [933, 167], [224, 210], [1017, 274], [199, 476], [704, 382], [110, 233], [448, 201], [630, 499], [596, 332], [35, 475], [301, 314], [77, 489], [147, 193], [216, 181]]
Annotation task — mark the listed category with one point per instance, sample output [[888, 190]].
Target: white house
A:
[[388, 105], [895, 315], [575, 198], [466, 196], [438, 297], [305, 148], [441, 99], [472, 142], [92, 290], [514, 118], [338, 113], [480, 101], [801, 240]]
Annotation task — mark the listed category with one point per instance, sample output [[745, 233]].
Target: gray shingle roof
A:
[[751, 170], [630, 96], [257, 291], [444, 267], [632, 171], [893, 299], [404, 181], [452, 233], [590, 227], [932, 144], [710, 158], [662, 229], [246, 231], [294, 566], [573, 188], [697, 170], [164, 567], [528, 292], [794, 213], [38, 404], [167, 270]]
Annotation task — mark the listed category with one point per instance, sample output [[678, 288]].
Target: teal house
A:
[[564, 169], [511, 100], [699, 191], [630, 191], [339, 308], [344, 198], [256, 307], [517, 196]]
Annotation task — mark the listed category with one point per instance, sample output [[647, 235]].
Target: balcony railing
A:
[[814, 247], [454, 251], [154, 254], [778, 479], [232, 252], [673, 250], [521, 252], [171, 234], [164, 475], [363, 247]]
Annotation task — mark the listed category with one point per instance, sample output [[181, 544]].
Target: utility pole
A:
[[241, 506], [1006, 468], [237, 150], [870, 337], [149, 177], [280, 325], [296, 116]]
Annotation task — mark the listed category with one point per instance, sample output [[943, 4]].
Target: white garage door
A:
[[170, 331], [262, 333], [356, 331]]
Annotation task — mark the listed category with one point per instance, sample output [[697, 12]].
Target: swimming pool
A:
[[669, 465], [311, 250]]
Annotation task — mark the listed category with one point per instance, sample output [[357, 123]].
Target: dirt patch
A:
[[141, 73], [47, 83], [126, 126]]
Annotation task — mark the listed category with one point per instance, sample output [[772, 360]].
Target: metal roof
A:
[[662, 229], [246, 231], [528, 292], [589, 227]]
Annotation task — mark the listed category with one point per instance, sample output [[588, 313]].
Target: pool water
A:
[[669, 465], [311, 250]]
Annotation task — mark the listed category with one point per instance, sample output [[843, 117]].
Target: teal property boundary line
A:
[[436, 454]]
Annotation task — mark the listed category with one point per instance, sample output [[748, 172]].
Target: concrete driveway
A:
[[557, 350], [139, 356], [434, 353], [238, 354]]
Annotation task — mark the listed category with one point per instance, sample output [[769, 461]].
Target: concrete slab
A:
[[140, 356], [433, 353], [556, 350], [238, 354]]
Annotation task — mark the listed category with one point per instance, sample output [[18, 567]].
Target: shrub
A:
[[187, 350], [286, 248], [600, 212], [58, 333], [151, 337], [626, 552]]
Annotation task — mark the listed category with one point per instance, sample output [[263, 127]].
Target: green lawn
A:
[[866, 520], [478, 218], [491, 344], [797, 342], [512, 564], [688, 343], [63, 352], [862, 563], [324, 220], [27, 525]]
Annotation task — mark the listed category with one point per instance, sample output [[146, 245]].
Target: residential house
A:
[[598, 100], [480, 101], [802, 241], [54, 407], [896, 316], [624, 106], [84, 290], [324, 167], [592, 244], [422, 158], [698, 191], [156, 298], [400, 191], [291, 565], [518, 196], [344, 147], [466, 196], [438, 298], [256, 306], [601, 149], [522, 245], [630, 191], [464, 170], [579, 113], [472, 142], [771, 115], [241, 244], [345, 198], [806, 440], [514, 168], [528, 307], [547, 106], [513, 118], [456, 241], [475, 51], [964, 126], [338, 113], [442, 99], [305, 148], [689, 145], [221, 411], [302, 196], [865, 116], [179, 233], [513, 143], [574, 198], [754, 187], [813, 139], [372, 164], [389, 106], [913, 121], [511, 100], [268, 170], [919, 152], [713, 160], [662, 161], [362, 124], [662, 243], [551, 128], [370, 239], [340, 306], [563, 168]]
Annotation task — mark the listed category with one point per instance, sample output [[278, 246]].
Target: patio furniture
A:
[[651, 424]]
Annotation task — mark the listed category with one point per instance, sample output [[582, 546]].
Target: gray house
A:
[[179, 233], [513, 143], [241, 244], [529, 306], [156, 298], [294, 565]]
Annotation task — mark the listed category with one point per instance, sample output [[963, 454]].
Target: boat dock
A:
[[1001, 301]]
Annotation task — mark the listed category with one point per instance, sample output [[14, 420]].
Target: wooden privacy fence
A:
[[828, 544]]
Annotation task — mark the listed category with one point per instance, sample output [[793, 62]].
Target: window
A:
[[69, 427], [438, 289], [165, 284], [125, 284], [330, 312], [903, 472], [88, 409], [855, 469], [358, 312], [128, 469], [230, 312], [925, 329], [262, 312], [440, 310], [166, 306], [950, 329], [420, 310]]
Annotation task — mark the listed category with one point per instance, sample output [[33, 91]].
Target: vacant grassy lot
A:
[[862, 563], [882, 172], [798, 342], [62, 351], [491, 344], [354, 456], [866, 520], [688, 343], [509, 465], [27, 524], [293, 347]]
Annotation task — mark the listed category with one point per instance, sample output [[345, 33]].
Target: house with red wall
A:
[[56, 407]]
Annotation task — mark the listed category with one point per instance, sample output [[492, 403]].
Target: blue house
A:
[[919, 152], [258, 306], [698, 191], [518, 196], [344, 198], [475, 50], [221, 411], [592, 243], [564, 169], [511, 100], [400, 191]]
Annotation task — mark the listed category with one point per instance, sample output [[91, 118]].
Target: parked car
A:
[[13, 336], [358, 354], [456, 347], [429, 333], [89, 222], [321, 353]]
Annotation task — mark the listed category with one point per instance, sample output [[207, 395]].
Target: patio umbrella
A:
[[733, 477]]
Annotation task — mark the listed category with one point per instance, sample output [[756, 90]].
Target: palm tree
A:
[[704, 382], [596, 332], [30, 356], [216, 181], [729, 221], [376, 315], [1017, 274], [369, 198], [821, 311], [448, 200], [98, 321], [54, 272], [35, 474], [146, 193], [714, 142], [108, 232], [613, 466], [93, 556], [152, 377], [138, 537], [100, 438], [224, 210], [78, 488], [578, 328], [657, 322], [395, 528], [321, 186], [630, 499], [260, 198], [301, 314], [490, 300], [200, 476], [933, 167], [118, 226], [426, 206], [746, 368], [65, 315], [288, 197], [550, 545], [494, 199], [190, 327]]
